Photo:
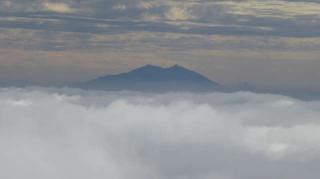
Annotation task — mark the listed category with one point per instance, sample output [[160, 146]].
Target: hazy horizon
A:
[[267, 44]]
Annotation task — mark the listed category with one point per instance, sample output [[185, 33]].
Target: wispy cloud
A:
[[246, 17]]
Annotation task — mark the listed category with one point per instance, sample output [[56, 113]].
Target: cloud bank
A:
[[66, 133]]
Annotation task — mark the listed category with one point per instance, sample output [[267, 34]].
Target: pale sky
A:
[[269, 44]]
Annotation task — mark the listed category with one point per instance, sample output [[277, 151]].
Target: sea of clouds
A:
[[48, 133]]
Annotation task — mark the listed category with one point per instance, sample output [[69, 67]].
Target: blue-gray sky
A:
[[269, 44]]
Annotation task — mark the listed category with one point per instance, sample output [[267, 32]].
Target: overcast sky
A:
[[269, 44]]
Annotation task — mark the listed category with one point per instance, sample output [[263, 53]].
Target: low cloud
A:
[[67, 133]]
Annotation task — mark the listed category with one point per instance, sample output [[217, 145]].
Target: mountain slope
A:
[[153, 78]]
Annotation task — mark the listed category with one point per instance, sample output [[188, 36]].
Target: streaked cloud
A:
[[272, 18], [275, 8]]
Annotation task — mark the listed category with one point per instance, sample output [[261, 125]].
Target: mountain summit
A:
[[154, 79]]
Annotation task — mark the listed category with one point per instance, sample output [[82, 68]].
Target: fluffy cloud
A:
[[177, 13], [51, 133], [58, 7]]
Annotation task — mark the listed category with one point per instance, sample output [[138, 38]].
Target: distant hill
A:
[[154, 79]]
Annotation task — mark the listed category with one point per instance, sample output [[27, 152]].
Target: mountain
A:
[[154, 79]]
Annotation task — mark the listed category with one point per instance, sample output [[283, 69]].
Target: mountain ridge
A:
[[153, 78]]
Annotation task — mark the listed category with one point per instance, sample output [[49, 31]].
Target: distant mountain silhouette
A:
[[154, 79]]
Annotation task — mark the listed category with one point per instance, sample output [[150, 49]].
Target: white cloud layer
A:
[[51, 133]]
